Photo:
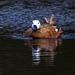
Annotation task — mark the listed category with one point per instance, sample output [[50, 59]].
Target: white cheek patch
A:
[[38, 26], [56, 30], [37, 23]]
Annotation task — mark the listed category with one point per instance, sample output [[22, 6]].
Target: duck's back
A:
[[45, 31]]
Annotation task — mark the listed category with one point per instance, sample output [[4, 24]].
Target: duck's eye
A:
[[38, 22]]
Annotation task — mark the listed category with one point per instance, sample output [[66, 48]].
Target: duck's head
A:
[[36, 24]]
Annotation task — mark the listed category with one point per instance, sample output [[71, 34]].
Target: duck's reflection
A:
[[44, 50], [36, 55]]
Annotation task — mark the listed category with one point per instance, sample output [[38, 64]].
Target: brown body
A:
[[45, 31]]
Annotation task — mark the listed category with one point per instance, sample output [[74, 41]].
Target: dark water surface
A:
[[37, 57]]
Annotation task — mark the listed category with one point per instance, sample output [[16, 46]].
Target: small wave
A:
[[68, 36]]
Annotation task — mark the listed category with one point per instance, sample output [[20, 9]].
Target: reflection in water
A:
[[44, 50], [36, 55]]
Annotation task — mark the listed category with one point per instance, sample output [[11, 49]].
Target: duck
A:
[[45, 30]]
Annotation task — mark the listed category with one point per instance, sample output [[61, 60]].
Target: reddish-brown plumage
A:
[[45, 31]]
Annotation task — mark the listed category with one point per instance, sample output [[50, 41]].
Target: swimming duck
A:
[[45, 30]]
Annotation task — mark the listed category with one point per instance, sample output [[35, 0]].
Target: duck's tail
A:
[[60, 31], [50, 20]]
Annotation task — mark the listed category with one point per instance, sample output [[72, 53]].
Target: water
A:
[[27, 56], [16, 16], [37, 56]]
